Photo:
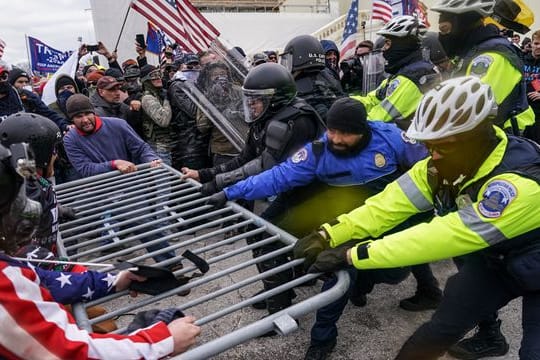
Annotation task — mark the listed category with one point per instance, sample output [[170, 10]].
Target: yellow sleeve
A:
[[408, 195], [495, 217], [491, 68]]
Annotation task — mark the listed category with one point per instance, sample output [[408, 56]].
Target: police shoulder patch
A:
[[394, 84], [300, 155], [480, 65], [497, 196]]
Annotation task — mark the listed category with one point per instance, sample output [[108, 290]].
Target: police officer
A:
[[481, 51], [411, 76], [483, 207], [280, 124], [356, 158], [305, 57]]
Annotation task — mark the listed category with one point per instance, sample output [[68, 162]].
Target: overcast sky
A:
[[58, 23]]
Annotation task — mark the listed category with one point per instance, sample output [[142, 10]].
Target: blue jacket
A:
[[113, 139], [386, 157]]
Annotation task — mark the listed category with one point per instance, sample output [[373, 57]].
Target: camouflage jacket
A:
[[157, 115]]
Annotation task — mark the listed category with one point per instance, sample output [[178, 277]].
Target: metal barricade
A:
[[143, 216]]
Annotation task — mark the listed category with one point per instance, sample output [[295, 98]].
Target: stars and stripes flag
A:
[[382, 10], [348, 43], [180, 21]]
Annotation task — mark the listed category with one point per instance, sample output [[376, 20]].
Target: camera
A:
[[92, 47]]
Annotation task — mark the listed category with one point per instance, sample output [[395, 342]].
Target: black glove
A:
[[209, 188], [66, 213], [217, 200], [309, 247], [332, 259]]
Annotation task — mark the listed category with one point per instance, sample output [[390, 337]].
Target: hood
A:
[[330, 45]]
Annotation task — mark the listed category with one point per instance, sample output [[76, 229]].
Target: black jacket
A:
[[191, 148]]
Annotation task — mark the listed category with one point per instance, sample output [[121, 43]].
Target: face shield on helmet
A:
[[20, 216], [256, 103], [287, 60]]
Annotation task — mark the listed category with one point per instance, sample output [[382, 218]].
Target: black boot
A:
[[423, 299], [320, 352], [488, 341]]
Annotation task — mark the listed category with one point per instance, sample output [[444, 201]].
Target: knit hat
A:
[[78, 103], [347, 115], [64, 80], [16, 73]]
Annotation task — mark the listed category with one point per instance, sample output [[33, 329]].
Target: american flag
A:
[[382, 10], [348, 43], [180, 20]]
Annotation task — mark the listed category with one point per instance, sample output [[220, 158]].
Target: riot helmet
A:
[[42, 134], [303, 52], [19, 216], [267, 87]]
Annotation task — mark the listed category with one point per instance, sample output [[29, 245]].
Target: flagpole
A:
[[28, 54], [122, 28]]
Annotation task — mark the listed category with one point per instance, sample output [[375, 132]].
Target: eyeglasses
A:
[[443, 149]]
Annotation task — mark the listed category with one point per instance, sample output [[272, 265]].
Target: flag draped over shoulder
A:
[[180, 21], [348, 42], [382, 10]]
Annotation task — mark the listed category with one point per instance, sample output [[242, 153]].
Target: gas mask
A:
[[20, 216]]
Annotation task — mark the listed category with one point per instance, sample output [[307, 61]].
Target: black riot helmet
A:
[[303, 52], [267, 87], [19, 215], [39, 132]]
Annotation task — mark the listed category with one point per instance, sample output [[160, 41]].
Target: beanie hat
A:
[[16, 73], [64, 80], [78, 103], [347, 115]]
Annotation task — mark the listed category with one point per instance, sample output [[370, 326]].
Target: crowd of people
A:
[[435, 158]]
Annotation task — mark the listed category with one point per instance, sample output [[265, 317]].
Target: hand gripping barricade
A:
[[138, 216]]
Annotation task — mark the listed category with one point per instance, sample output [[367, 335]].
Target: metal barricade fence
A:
[[150, 217]]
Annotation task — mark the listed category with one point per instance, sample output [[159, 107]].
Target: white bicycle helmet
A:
[[404, 25], [453, 107], [482, 7]]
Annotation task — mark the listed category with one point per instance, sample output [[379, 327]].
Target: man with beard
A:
[[35, 324], [481, 51], [357, 158], [331, 56], [397, 97], [483, 186]]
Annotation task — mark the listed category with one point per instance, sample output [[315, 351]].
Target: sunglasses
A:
[[443, 149]]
